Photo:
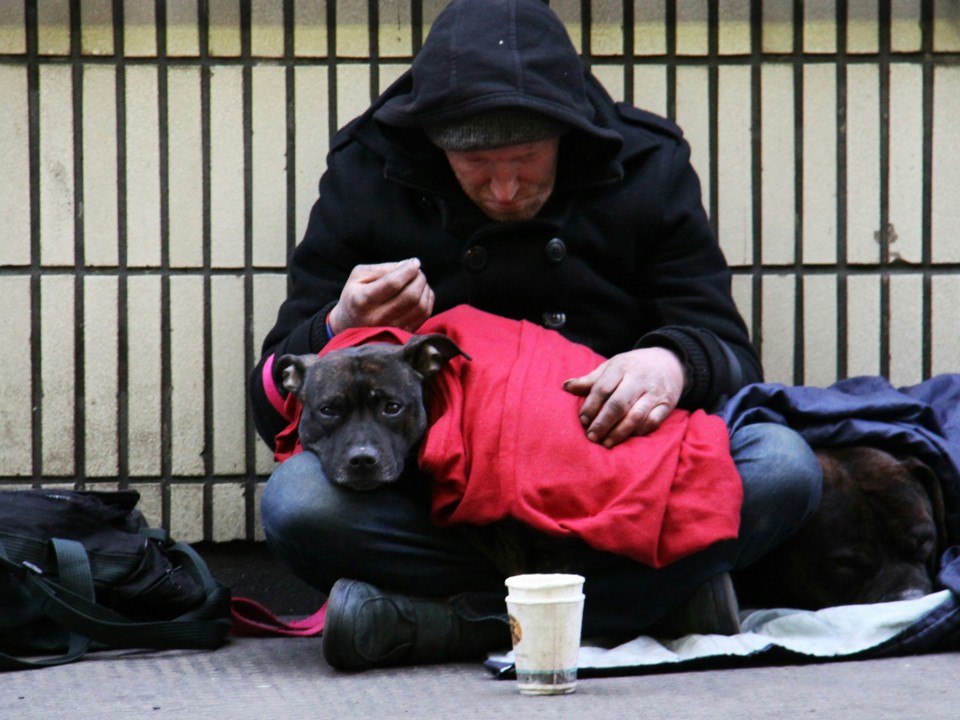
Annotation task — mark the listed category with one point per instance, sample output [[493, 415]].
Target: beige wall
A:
[[157, 171]]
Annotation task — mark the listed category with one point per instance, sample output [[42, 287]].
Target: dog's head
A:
[[363, 407], [876, 536]]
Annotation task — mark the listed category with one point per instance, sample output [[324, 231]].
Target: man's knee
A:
[[775, 458], [782, 483], [298, 498]]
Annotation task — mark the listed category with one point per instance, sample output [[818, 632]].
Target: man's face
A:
[[510, 183]]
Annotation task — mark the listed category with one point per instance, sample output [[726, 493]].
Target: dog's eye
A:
[[329, 411], [392, 408], [848, 564], [920, 546]]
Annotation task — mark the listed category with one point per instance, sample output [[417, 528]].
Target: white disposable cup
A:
[[546, 613]]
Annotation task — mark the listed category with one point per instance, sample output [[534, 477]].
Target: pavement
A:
[[287, 678]]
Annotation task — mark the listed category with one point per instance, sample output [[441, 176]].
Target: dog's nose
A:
[[362, 458], [910, 594]]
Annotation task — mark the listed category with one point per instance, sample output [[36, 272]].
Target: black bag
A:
[[82, 571]]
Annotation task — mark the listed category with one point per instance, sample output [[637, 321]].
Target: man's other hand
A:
[[629, 394]]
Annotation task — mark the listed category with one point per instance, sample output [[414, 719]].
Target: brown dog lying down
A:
[[876, 537]]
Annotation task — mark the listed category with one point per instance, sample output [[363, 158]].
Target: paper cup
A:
[[546, 612]]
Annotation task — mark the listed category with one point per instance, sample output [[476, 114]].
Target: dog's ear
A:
[[925, 475], [292, 371], [427, 354]]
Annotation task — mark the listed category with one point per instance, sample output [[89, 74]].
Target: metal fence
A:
[[160, 158]]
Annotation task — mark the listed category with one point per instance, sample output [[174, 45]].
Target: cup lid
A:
[[543, 581]]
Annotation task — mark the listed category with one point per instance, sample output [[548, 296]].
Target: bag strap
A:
[[74, 568], [193, 630], [194, 564], [251, 619], [202, 628], [72, 605], [216, 606]]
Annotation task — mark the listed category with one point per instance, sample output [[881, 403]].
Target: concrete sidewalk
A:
[[287, 678], [264, 679]]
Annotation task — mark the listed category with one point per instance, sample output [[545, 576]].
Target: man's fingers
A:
[[642, 419], [426, 301], [412, 306], [607, 401], [411, 316], [369, 273], [593, 388], [610, 410], [395, 294], [579, 386], [388, 285], [629, 394]]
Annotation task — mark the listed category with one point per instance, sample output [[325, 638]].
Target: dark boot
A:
[[368, 628], [711, 610]]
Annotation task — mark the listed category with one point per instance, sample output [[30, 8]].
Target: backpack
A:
[[83, 571]]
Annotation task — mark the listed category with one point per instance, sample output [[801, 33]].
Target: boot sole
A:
[[333, 625]]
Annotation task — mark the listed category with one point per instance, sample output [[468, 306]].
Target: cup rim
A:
[[546, 601], [543, 581]]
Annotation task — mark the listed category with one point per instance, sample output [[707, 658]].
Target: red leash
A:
[[251, 619]]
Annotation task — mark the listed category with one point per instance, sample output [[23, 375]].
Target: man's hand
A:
[[394, 294], [629, 394]]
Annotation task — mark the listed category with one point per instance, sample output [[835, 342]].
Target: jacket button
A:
[[475, 258], [554, 320], [556, 250]]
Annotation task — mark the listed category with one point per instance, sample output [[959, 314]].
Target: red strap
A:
[[251, 619]]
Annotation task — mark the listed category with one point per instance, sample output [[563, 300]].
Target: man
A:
[[497, 172]]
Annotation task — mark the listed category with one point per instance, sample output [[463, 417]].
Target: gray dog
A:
[[363, 407]]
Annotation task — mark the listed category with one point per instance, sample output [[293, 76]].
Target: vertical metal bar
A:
[[671, 59], [798, 79], [373, 36], [247, 82], [332, 119], [628, 50], [123, 317], [586, 30], [884, 29], [33, 121], [756, 167], [713, 101], [207, 294], [79, 409], [416, 26], [842, 242], [926, 28], [166, 370], [289, 64]]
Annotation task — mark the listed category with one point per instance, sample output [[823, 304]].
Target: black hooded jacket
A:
[[621, 256]]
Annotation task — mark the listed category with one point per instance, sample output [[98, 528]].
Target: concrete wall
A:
[[159, 160]]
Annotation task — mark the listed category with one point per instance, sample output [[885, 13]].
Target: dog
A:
[[363, 409], [876, 536], [364, 415]]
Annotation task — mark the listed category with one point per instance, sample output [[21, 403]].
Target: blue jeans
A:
[[324, 532]]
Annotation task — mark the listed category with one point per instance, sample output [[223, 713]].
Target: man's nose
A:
[[504, 186]]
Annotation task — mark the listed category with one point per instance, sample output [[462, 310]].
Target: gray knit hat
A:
[[494, 129]]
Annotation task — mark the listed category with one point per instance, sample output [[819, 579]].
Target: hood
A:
[[487, 54]]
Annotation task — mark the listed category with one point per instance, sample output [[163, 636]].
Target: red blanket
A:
[[504, 440]]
